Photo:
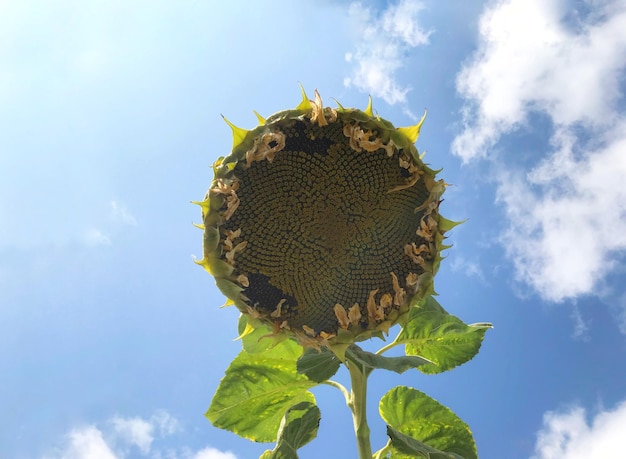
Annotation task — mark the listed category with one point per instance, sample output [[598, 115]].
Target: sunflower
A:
[[324, 223]]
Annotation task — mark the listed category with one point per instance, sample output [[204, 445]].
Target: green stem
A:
[[342, 389], [383, 452], [387, 347], [358, 405]]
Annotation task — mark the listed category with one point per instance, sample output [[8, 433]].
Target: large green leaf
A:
[[416, 415], [298, 427], [319, 365], [405, 447], [257, 390], [440, 337], [372, 361]]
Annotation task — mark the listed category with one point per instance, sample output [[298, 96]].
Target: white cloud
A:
[[86, 442], [166, 423], [134, 431], [121, 214], [94, 237], [581, 328], [124, 434], [212, 453], [567, 219], [568, 435], [566, 214], [530, 59], [383, 40], [469, 267]]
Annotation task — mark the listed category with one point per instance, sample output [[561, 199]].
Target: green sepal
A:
[[426, 285], [440, 337], [298, 427], [344, 339], [257, 390], [416, 415], [373, 361], [317, 365], [369, 110], [356, 115], [446, 225], [412, 132], [305, 104], [239, 134], [217, 164], [219, 268], [340, 108], [205, 206], [261, 119], [228, 288]]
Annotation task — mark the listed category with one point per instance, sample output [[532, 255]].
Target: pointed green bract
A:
[[262, 120], [239, 134], [340, 107], [298, 427], [423, 418], [413, 132], [305, 104], [447, 225], [369, 110]]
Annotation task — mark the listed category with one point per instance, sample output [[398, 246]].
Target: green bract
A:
[[324, 223]]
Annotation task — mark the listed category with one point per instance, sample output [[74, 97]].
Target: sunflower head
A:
[[324, 223]]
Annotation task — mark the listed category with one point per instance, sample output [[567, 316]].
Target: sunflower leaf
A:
[[419, 424], [409, 447], [318, 366], [397, 364], [298, 427], [257, 390], [440, 337]]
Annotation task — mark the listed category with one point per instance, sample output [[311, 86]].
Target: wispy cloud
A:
[[121, 437], [471, 268], [134, 431], [567, 213], [94, 237], [620, 311], [568, 434], [121, 214], [118, 217], [581, 328], [384, 38]]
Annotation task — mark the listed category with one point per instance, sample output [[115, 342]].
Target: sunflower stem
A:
[[387, 347], [394, 343], [358, 405], [339, 386]]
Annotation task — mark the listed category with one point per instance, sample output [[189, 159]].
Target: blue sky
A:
[[112, 342]]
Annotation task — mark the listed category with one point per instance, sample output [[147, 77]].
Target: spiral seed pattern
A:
[[320, 223]]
